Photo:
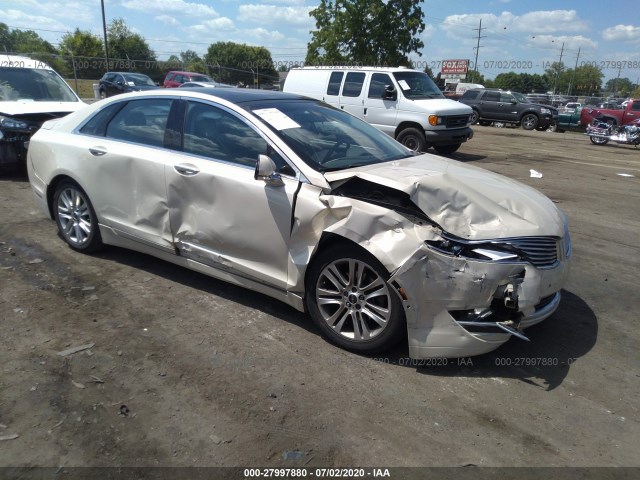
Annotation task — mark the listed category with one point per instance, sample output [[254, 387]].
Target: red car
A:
[[175, 79]]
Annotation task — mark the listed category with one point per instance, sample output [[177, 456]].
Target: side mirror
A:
[[266, 170], [389, 93]]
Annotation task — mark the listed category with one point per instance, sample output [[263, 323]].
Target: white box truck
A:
[[403, 103]]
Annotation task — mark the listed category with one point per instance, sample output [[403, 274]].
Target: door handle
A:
[[186, 169], [97, 151]]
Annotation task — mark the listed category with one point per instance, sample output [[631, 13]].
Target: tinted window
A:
[[470, 94], [334, 83], [506, 97], [492, 97], [378, 82], [215, 133], [635, 106], [353, 84], [141, 121]]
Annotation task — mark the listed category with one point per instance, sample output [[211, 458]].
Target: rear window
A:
[[33, 85]]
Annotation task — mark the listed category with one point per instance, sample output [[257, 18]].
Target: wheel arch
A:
[[407, 124], [53, 185]]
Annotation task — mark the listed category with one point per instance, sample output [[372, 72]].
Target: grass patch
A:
[[84, 88]]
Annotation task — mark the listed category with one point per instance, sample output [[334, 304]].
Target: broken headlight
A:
[[479, 250], [8, 123]]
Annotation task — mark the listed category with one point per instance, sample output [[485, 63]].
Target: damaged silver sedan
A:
[[305, 203]]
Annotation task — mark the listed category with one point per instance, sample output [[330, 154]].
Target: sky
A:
[[517, 35]]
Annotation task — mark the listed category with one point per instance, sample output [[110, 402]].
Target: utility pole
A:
[[477, 47], [555, 82], [104, 30], [573, 77]]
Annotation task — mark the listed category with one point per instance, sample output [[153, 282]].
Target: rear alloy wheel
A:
[[529, 121], [599, 140], [474, 117], [447, 149], [76, 219], [349, 299], [413, 139]]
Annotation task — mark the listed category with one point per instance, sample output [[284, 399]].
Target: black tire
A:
[[103, 94], [76, 219], [529, 121], [599, 140], [413, 139], [349, 309], [475, 116], [447, 149], [484, 123]]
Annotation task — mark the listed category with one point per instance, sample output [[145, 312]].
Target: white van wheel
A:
[[413, 139]]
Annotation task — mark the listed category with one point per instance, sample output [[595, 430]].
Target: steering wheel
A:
[[340, 140]]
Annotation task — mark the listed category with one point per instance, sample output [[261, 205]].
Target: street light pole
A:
[[104, 31]]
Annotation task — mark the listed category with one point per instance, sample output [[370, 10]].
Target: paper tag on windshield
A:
[[404, 85], [276, 118]]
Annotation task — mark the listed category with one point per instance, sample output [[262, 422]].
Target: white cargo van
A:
[[31, 92], [403, 103]]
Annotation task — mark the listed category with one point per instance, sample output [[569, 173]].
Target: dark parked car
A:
[[113, 83], [509, 107]]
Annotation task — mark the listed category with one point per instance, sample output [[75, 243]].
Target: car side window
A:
[[97, 125], [470, 94], [141, 121], [507, 98], [334, 83], [377, 84], [353, 84], [635, 106], [492, 97], [218, 134]]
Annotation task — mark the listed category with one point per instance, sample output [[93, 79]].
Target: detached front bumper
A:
[[458, 307]]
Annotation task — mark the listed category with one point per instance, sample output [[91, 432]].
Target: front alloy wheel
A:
[[352, 302], [76, 219]]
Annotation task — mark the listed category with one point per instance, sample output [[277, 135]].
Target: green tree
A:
[[5, 38], [125, 45], [84, 48], [475, 77], [358, 31], [192, 62], [586, 80], [233, 63], [621, 87]]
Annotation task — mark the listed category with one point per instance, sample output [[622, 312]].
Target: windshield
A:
[[33, 85], [325, 138], [417, 85], [138, 79]]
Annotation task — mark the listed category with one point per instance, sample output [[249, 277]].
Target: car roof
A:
[[186, 73], [242, 95]]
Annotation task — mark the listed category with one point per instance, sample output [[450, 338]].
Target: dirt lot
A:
[[186, 370]]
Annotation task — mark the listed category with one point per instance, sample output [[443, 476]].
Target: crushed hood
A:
[[466, 201], [26, 108]]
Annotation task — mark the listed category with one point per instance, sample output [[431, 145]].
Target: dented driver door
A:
[[220, 214]]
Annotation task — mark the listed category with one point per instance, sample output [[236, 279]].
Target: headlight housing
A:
[[545, 110], [478, 250], [8, 123]]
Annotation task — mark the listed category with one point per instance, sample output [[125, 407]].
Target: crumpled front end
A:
[[457, 306]]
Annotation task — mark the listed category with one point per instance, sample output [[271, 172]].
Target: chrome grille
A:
[[540, 251], [457, 121]]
